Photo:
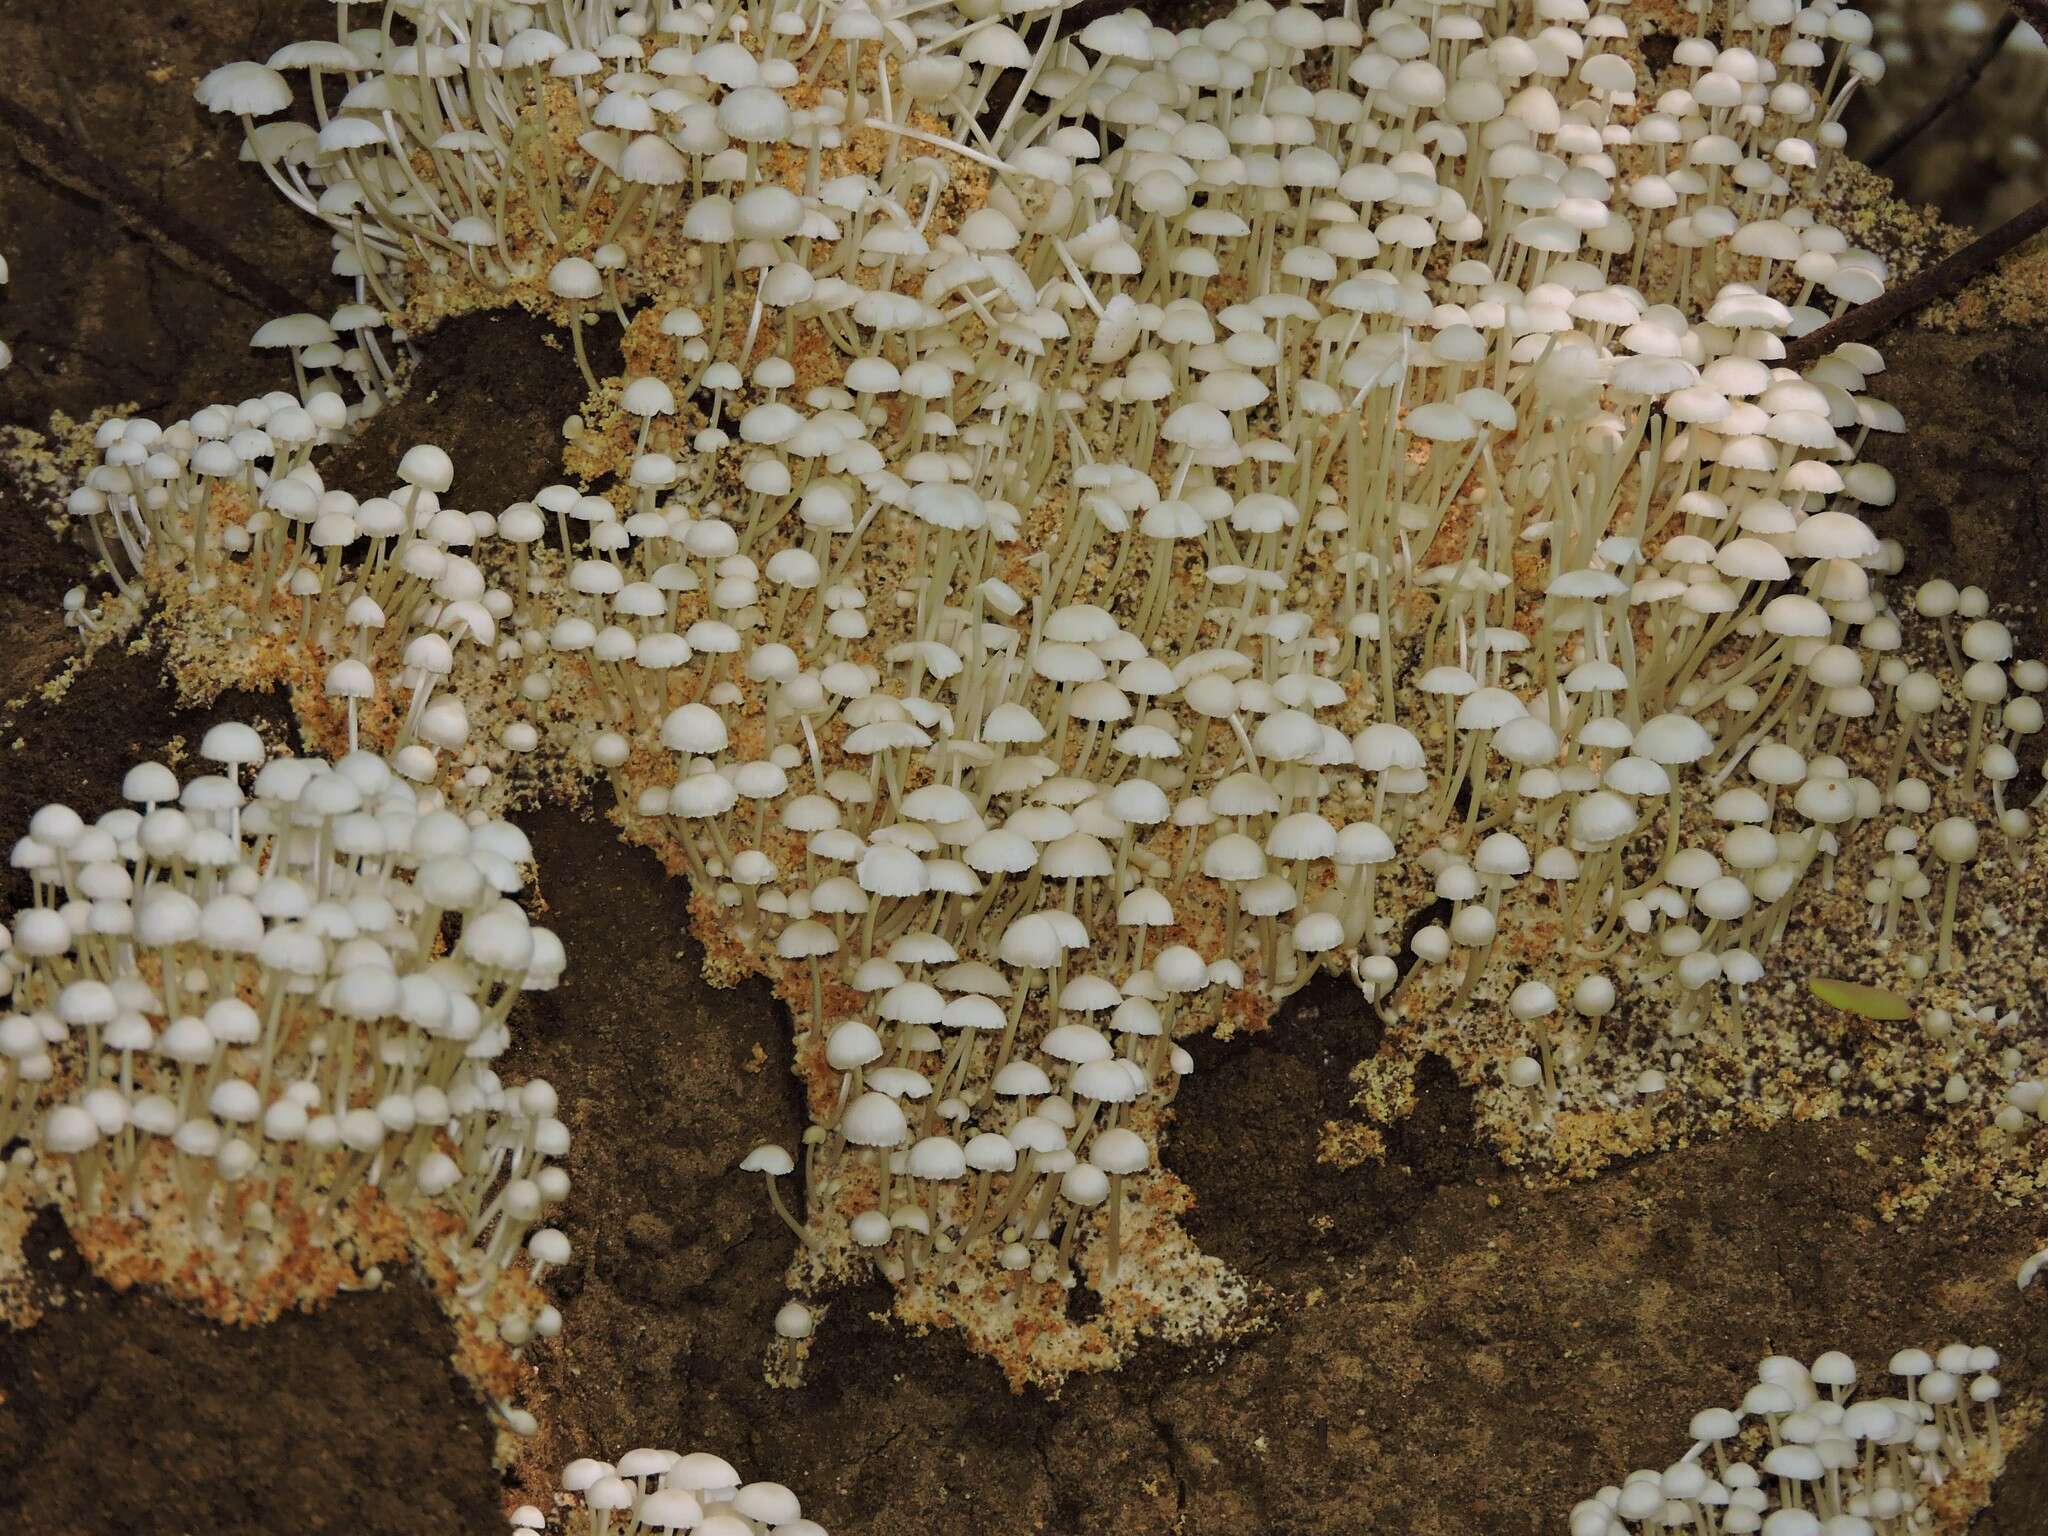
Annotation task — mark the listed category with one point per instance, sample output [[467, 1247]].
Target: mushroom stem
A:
[[1945, 955], [1116, 1213], [803, 1233]]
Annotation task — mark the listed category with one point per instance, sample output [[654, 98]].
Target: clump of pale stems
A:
[[1218, 500], [1834, 1454], [649, 1489], [230, 1015]]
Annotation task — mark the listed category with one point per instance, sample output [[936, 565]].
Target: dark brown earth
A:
[[1449, 1348], [1960, 162], [126, 1413], [490, 392], [1973, 505]]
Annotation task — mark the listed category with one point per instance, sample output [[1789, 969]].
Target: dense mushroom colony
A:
[[235, 1047], [653, 1491], [1804, 1454], [1092, 529]]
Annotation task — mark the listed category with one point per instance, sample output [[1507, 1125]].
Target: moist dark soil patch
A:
[[98, 315], [1431, 1313], [489, 390], [1250, 1126], [127, 1413], [34, 643], [1434, 1313], [1972, 503], [665, 1084]]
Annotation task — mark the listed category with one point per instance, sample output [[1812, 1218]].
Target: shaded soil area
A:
[[1448, 1349], [99, 314], [1962, 161], [492, 390], [40, 567], [1265, 1101], [126, 1413], [1972, 505], [1460, 1348], [99, 140]]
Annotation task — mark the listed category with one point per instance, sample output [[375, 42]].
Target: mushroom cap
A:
[[244, 89], [232, 742], [670, 1509], [1021, 1079], [874, 1120], [699, 1470], [769, 1159], [575, 278], [300, 330], [1121, 35], [1673, 739], [990, 1153], [852, 1044], [769, 1503], [1502, 853], [936, 1158], [1075, 1044], [1107, 1081], [1383, 746], [1120, 1151], [1715, 1424]]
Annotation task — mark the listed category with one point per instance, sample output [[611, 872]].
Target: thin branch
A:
[[1953, 92], [1943, 278], [184, 244]]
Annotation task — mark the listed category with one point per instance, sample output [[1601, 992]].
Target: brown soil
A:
[[1972, 503], [493, 391], [1448, 1348], [98, 315], [75, 748], [125, 1413]]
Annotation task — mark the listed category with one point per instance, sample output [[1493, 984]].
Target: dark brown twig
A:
[[1925, 286], [184, 244], [1952, 93]]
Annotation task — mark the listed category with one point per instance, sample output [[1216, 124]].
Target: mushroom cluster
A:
[[652, 1491], [1871, 774], [1805, 1455], [240, 1054], [1093, 529]]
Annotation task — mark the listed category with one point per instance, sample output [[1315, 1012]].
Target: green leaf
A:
[[1865, 1002]]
